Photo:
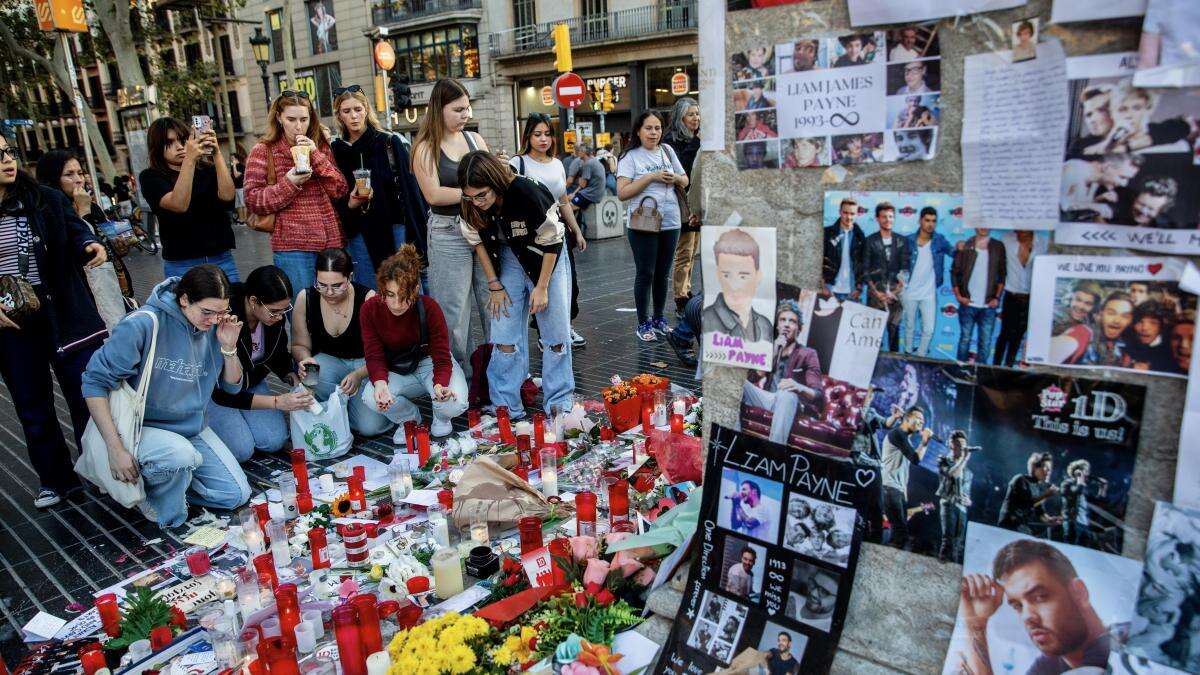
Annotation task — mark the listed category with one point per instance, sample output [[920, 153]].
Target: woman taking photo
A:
[[300, 197], [391, 210], [45, 244], [180, 459], [513, 223], [454, 273], [190, 191], [326, 331], [407, 347], [648, 169], [253, 418], [684, 139]]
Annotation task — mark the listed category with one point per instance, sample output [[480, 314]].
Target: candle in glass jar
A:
[[251, 532], [422, 444], [524, 454], [358, 496], [549, 462], [504, 424], [539, 430], [287, 494], [410, 436], [585, 514], [530, 529], [277, 532], [248, 592], [523, 428], [399, 480], [437, 522], [350, 650], [647, 418], [378, 663], [110, 614], [676, 423], [473, 422], [618, 501], [91, 657], [300, 469], [368, 622], [198, 563], [265, 566], [317, 543], [447, 573]]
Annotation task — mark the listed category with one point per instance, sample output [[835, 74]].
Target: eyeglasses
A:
[[7, 154], [478, 199], [913, 69], [211, 314], [294, 94], [330, 288], [352, 89], [274, 313]]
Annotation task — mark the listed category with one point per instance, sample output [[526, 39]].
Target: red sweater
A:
[[305, 219], [384, 333]]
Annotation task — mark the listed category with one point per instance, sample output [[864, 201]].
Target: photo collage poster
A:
[[1027, 604], [923, 317], [1111, 312], [738, 265], [1047, 455], [874, 12], [861, 98], [1131, 161], [1168, 598], [796, 511]]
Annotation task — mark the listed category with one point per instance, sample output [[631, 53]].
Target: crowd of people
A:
[[383, 256]]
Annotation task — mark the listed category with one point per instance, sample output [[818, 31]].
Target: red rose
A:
[[510, 580], [593, 588], [178, 618], [580, 600], [605, 598]]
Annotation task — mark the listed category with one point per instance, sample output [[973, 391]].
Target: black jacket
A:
[[277, 356], [881, 269], [832, 263], [59, 237], [964, 264], [397, 198], [685, 149]]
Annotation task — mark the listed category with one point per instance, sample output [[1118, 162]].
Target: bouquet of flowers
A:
[[450, 643]]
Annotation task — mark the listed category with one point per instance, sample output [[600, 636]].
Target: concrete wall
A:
[[903, 605]]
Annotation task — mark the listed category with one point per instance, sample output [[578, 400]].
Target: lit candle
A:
[[676, 423], [410, 436], [277, 531], [505, 426], [647, 418], [300, 469], [248, 593], [437, 521], [252, 534], [227, 589], [422, 444], [110, 614], [447, 573], [358, 496], [539, 430], [317, 543], [585, 514], [400, 480], [378, 663], [549, 458]]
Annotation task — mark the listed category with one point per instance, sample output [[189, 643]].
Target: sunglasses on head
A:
[[294, 94], [352, 89], [543, 117]]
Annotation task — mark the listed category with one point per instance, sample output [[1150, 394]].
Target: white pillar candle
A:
[[439, 526], [313, 618], [306, 640], [447, 573], [271, 628], [326, 482], [378, 663]]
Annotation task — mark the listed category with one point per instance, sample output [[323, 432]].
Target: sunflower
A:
[[341, 506]]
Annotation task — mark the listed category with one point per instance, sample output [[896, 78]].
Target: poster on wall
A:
[[779, 543], [1169, 51], [1126, 313], [1130, 158], [1046, 455], [322, 26], [1033, 606], [854, 99], [739, 295], [1187, 479], [875, 12], [1066, 11], [1169, 595], [711, 73]]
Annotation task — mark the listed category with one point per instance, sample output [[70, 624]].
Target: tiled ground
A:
[[54, 558]]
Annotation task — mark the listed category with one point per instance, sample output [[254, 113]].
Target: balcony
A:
[[394, 11], [661, 18]]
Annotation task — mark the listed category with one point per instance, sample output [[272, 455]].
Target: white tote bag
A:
[[325, 434], [128, 408]]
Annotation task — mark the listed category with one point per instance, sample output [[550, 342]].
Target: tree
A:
[[115, 22]]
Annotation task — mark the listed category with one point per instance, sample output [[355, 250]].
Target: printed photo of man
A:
[[794, 384], [780, 660], [954, 495], [1078, 308], [1020, 247], [855, 51], [739, 273], [1090, 187], [928, 250], [906, 48], [1153, 199], [898, 454], [1149, 348], [749, 515], [1074, 490], [887, 261], [915, 79], [813, 596], [842, 267], [740, 578], [1022, 509], [978, 276]]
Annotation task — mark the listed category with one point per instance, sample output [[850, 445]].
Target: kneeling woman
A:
[[326, 331], [180, 458], [254, 419], [514, 225], [407, 347]]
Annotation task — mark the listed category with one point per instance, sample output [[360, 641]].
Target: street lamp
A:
[[261, 44]]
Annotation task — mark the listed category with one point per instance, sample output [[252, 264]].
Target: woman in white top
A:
[[537, 160], [648, 172]]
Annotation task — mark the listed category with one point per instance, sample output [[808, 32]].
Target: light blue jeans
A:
[[926, 307], [299, 266], [454, 276], [508, 370], [364, 267], [404, 388], [199, 469], [244, 431], [970, 320], [176, 268], [365, 420]]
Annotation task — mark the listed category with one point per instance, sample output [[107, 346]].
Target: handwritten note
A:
[[1014, 130]]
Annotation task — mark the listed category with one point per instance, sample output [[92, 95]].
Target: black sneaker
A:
[[46, 498], [683, 349]]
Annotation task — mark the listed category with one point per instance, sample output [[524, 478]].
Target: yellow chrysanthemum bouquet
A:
[[450, 643]]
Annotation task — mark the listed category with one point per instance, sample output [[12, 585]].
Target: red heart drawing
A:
[[1154, 268]]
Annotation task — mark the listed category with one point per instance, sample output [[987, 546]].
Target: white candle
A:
[[549, 481], [549, 437], [679, 407], [312, 617], [447, 573], [253, 539], [437, 521], [523, 429], [326, 482], [226, 588], [378, 663], [306, 640]]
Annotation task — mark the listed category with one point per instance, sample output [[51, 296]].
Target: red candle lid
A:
[[418, 584], [298, 455]]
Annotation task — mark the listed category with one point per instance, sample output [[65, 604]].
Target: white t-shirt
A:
[[977, 285], [639, 162], [902, 53], [551, 174], [843, 283], [1017, 277], [922, 285], [765, 529]]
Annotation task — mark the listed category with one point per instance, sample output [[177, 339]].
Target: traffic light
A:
[[562, 48], [606, 104], [401, 94]]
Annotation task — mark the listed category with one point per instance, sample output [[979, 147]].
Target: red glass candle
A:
[[372, 530], [350, 647], [446, 499], [300, 469], [304, 502], [110, 614], [524, 456], [422, 444], [288, 605], [387, 609], [198, 563], [358, 496], [585, 514], [539, 430], [265, 566], [264, 514], [618, 501], [647, 414], [530, 528], [410, 436], [91, 657], [160, 637], [417, 585], [560, 547], [280, 655], [505, 425], [317, 541], [521, 472], [368, 623], [473, 422], [676, 423]]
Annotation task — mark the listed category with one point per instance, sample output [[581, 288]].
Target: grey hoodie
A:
[[187, 364]]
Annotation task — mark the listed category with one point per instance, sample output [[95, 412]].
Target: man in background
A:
[[589, 181], [977, 276], [887, 262], [795, 381], [898, 454], [842, 265]]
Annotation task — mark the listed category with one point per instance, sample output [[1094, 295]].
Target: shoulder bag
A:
[[646, 219], [128, 408], [405, 361], [17, 296], [265, 223]]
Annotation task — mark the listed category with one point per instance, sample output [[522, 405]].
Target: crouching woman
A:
[[180, 459]]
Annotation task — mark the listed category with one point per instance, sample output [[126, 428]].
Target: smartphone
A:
[[202, 124]]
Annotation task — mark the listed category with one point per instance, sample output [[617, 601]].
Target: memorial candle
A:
[[539, 430], [530, 528], [350, 649], [473, 422], [280, 655], [524, 455], [91, 657], [368, 622], [263, 511], [399, 480], [422, 444], [249, 595], [410, 436], [288, 605], [265, 566], [317, 542], [585, 514], [447, 573], [378, 663], [252, 534], [304, 503], [300, 469], [505, 425], [358, 496], [198, 563], [437, 522], [549, 462], [277, 533], [287, 494], [676, 423], [647, 416], [618, 501], [110, 614]]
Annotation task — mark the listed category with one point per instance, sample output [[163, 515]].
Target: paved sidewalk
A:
[[54, 560]]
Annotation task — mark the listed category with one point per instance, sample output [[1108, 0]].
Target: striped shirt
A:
[[15, 238]]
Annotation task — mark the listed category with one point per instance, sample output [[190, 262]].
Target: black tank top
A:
[[349, 344], [448, 176]]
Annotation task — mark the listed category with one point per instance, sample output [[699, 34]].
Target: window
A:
[[227, 54], [95, 91], [444, 52], [191, 52], [595, 20], [319, 82], [523, 13], [275, 26], [662, 85]]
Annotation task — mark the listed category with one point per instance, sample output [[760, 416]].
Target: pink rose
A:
[[596, 572], [616, 537], [622, 557], [584, 548], [629, 567], [645, 577], [578, 668]]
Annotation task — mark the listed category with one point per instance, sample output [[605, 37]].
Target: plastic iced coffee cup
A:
[[300, 157], [362, 182]]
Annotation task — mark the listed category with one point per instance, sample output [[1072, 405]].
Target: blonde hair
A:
[[372, 120], [433, 126], [275, 129]]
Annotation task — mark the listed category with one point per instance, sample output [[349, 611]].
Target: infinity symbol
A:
[[850, 119]]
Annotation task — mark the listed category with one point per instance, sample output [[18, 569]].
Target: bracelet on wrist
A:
[[229, 352]]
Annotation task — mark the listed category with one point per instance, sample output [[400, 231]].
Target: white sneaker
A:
[[440, 428], [399, 438]]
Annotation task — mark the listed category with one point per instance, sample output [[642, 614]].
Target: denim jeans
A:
[[364, 266], [688, 329], [365, 419], [454, 275], [176, 268], [420, 383], [972, 318], [244, 431], [926, 307], [299, 266], [954, 531], [653, 257], [507, 370], [782, 404], [199, 469]]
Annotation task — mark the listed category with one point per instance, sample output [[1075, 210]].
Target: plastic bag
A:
[[325, 434]]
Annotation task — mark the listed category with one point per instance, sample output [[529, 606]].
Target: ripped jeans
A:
[[178, 470], [507, 370]]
